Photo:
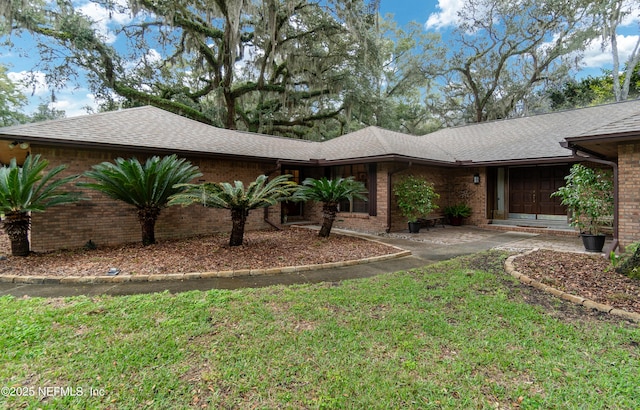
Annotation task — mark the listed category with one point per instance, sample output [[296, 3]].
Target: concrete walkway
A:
[[427, 247]]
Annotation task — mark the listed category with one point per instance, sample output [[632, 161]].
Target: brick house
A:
[[505, 170]]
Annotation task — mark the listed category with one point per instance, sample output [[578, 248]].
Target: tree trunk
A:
[[238, 217], [148, 218], [329, 211], [228, 60], [16, 225]]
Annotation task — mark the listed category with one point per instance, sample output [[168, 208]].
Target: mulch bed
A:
[[589, 276], [261, 250]]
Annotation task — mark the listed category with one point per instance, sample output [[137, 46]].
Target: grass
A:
[[453, 335]]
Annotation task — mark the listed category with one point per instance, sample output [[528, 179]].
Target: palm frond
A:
[[332, 190], [29, 189], [258, 194], [151, 184]]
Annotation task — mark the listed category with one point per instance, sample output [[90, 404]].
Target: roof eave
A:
[[520, 161], [612, 137], [138, 149], [386, 158]]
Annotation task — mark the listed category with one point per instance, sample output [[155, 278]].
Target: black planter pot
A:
[[414, 227], [593, 243]]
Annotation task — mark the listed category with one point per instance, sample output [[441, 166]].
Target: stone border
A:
[[48, 280], [579, 300]]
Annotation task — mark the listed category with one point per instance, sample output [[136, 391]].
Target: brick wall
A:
[[461, 189], [629, 193], [363, 222], [109, 222], [454, 185], [436, 175]]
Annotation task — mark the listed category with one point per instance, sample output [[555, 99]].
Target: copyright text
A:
[[52, 391]]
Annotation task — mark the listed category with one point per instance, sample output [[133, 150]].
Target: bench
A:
[[431, 221]]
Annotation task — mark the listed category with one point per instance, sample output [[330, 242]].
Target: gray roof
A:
[[623, 124], [535, 137], [373, 142], [521, 139], [155, 129]]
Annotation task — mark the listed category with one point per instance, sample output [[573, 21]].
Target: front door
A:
[[530, 190]]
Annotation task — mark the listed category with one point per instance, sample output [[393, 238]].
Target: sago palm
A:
[[260, 193], [147, 186], [26, 189], [330, 192]]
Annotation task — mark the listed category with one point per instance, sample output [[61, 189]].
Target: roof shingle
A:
[[518, 139]]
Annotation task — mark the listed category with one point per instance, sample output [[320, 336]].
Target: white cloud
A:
[[74, 103], [30, 82], [596, 57], [103, 18], [633, 16], [34, 86], [446, 16], [153, 56]]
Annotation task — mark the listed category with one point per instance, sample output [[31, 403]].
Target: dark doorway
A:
[[530, 190]]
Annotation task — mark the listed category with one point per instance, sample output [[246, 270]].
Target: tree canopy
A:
[[271, 66], [11, 101], [594, 90], [501, 51], [318, 69], [608, 16]]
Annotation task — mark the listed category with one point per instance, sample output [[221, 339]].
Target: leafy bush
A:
[[628, 263], [415, 197], [27, 189], [146, 186], [457, 211], [588, 194]]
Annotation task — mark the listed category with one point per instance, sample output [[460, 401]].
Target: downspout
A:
[[389, 176], [615, 243], [266, 209]]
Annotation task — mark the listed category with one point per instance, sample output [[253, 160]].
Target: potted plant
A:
[[415, 197], [588, 195], [456, 213]]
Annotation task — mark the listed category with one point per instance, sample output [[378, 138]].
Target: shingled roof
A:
[[528, 139], [374, 142], [536, 137], [158, 130]]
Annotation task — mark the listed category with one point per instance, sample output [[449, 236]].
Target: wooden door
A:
[[522, 187], [530, 190], [549, 180]]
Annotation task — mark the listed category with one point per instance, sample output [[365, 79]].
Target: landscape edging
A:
[[579, 300], [45, 280]]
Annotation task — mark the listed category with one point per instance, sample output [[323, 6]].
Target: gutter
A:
[[389, 176]]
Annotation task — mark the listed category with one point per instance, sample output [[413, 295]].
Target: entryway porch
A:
[[541, 224]]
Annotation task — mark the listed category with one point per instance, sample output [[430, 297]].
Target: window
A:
[[292, 210], [361, 173], [295, 174]]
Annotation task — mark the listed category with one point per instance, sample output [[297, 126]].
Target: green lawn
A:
[[453, 335]]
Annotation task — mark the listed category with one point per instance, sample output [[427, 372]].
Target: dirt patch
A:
[[261, 250]]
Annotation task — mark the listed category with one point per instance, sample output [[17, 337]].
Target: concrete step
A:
[[540, 226], [535, 223]]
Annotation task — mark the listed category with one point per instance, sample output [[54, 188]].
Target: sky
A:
[[433, 15]]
